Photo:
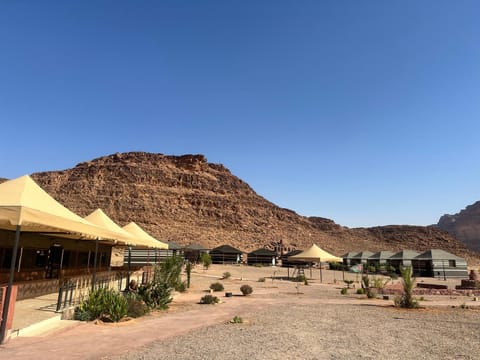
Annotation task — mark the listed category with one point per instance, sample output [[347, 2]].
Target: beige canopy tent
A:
[[138, 233], [25, 206], [315, 254], [99, 218]]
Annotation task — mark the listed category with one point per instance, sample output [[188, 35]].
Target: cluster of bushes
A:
[[110, 305], [211, 299]]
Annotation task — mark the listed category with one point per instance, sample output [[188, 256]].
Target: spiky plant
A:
[[406, 300]]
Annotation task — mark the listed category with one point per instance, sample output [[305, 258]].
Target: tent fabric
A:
[[314, 253], [148, 240], [262, 252], [404, 255], [437, 254], [24, 203], [98, 217], [363, 255], [195, 247], [226, 249], [381, 255]]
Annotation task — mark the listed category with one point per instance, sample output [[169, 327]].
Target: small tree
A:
[[406, 300], [188, 270], [206, 260]]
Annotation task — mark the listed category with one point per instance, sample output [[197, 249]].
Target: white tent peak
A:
[[139, 233]]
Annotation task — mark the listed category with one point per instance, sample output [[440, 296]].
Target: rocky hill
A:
[[464, 226], [186, 199]]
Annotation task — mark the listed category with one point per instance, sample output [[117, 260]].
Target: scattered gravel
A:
[[329, 331]]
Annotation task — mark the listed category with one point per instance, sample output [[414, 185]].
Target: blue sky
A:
[[365, 112]]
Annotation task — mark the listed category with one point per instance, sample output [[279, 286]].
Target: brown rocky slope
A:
[[186, 199], [464, 226]]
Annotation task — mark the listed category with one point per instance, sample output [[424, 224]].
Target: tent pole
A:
[[129, 266], [320, 264], [94, 275], [8, 294]]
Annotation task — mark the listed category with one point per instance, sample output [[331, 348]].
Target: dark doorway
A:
[[54, 261]]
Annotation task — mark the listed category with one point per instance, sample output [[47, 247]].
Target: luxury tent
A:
[[261, 256], [226, 254], [347, 257], [379, 258], [26, 207], [439, 264], [360, 258], [293, 263], [193, 252], [402, 258], [316, 254]]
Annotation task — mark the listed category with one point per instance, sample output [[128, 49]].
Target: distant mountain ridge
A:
[[464, 226], [185, 199]]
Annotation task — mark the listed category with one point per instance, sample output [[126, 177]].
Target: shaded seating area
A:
[[439, 264], [225, 254], [261, 257]]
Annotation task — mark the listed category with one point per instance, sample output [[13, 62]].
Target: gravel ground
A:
[[329, 331]]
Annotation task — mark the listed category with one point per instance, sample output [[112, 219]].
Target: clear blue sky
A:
[[365, 112]]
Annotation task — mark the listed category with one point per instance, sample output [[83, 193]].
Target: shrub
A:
[[156, 295], [262, 279], [206, 260], [209, 299], [344, 291], [169, 271], [104, 303], [348, 282], [361, 291], [406, 300], [236, 320], [181, 287], [372, 269], [217, 286], [246, 290], [226, 275], [136, 306], [300, 278], [188, 270]]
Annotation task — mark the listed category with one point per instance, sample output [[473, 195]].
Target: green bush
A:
[[262, 279], [344, 291], [136, 306], [226, 275], [361, 291], [300, 278], [236, 320], [246, 289], [348, 282], [209, 299], [206, 260], [181, 287], [104, 303], [156, 295], [169, 272], [217, 286]]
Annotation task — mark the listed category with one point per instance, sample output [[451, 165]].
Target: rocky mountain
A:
[[186, 199], [464, 226]]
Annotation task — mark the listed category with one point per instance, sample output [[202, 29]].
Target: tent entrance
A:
[[55, 259]]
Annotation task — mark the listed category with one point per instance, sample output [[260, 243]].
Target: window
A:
[[451, 263]]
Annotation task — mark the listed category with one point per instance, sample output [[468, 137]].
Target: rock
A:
[[464, 226]]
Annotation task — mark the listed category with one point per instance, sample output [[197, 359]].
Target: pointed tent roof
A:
[[98, 217], [362, 255], [145, 237], [314, 253], [195, 247], [437, 254], [262, 252], [381, 255], [227, 249], [173, 245], [404, 255], [23, 202], [349, 255]]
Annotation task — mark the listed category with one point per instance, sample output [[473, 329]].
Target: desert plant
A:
[[366, 286], [300, 278], [209, 299], [262, 279], [188, 270], [206, 260], [169, 271], [226, 275], [406, 300], [348, 282], [236, 320], [246, 289], [104, 303], [156, 294], [136, 306], [344, 291], [361, 291], [217, 286], [181, 286]]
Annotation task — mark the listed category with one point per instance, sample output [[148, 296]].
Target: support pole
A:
[[94, 274], [129, 267], [320, 265], [8, 294]]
